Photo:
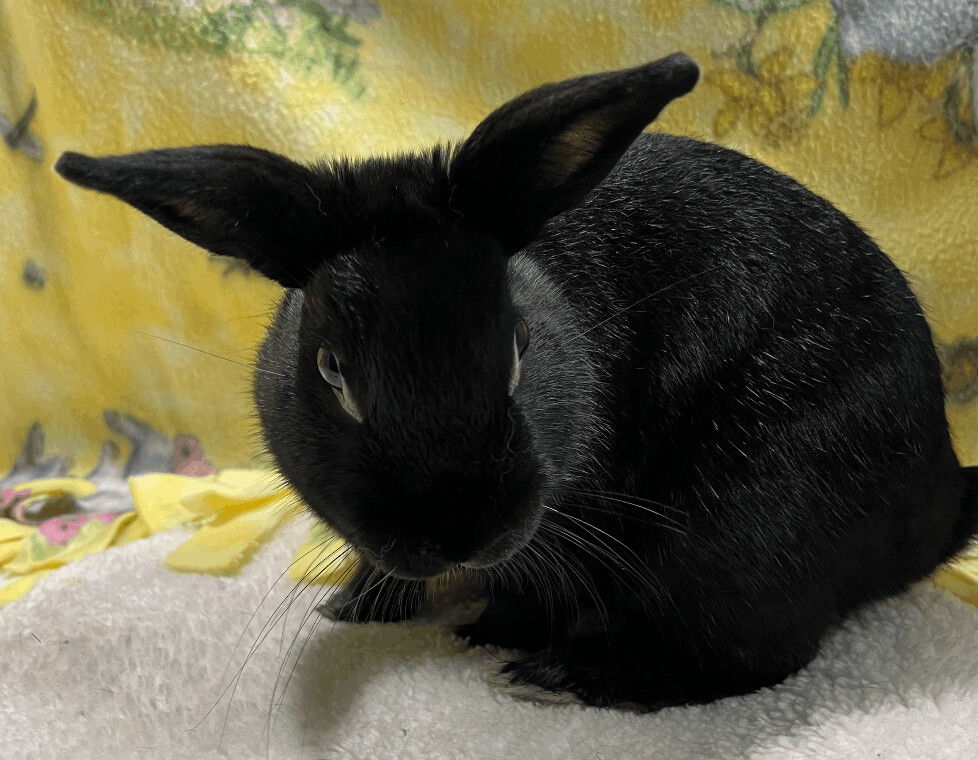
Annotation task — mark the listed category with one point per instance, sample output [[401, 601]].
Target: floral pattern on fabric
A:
[[906, 50], [48, 517], [304, 34]]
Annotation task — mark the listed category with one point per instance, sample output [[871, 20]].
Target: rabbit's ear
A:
[[232, 200], [544, 151]]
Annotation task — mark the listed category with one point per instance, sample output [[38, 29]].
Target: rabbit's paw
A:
[[360, 601], [510, 622], [487, 631], [558, 677], [538, 679]]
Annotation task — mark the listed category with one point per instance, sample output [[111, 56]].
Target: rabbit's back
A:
[[720, 234], [769, 374]]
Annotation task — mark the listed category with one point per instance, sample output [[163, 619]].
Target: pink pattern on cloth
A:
[[60, 530], [188, 457], [13, 502], [9, 495]]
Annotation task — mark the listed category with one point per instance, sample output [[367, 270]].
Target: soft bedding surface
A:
[[117, 656]]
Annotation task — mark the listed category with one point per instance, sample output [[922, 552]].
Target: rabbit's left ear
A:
[[543, 152], [232, 200]]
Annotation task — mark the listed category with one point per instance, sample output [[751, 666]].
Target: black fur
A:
[[728, 432]]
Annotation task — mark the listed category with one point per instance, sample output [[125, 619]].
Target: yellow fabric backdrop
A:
[[87, 282]]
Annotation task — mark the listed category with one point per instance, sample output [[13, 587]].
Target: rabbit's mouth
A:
[[418, 567], [504, 546], [428, 561]]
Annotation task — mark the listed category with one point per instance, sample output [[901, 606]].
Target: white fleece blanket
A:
[[117, 657]]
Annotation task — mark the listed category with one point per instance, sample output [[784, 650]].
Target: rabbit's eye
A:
[[522, 335], [521, 341], [329, 368]]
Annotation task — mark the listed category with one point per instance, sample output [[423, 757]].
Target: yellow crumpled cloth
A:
[[233, 513]]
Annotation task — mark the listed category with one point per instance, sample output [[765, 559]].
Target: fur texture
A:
[[729, 429]]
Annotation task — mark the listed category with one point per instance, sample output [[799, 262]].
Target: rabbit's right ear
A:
[[233, 200], [543, 152]]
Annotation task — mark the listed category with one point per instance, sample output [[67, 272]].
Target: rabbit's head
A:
[[399, 415]]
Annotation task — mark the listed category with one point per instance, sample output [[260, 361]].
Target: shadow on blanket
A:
[[870, 666]]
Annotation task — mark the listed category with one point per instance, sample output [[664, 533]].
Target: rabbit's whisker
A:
[[580, 573], [671, 524], [600, 550], [280, 612], [646, 298], [210, 353], [317, 599]]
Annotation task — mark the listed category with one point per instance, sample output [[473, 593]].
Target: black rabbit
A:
[[679, 414]]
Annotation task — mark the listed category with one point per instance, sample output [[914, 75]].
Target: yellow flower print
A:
[[955, 154], [960, 362], [771, 103], [898, 83]]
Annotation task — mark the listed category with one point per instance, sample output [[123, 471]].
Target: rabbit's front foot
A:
[[510, 621], [370, 597], [555, 676], [605, 673]]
